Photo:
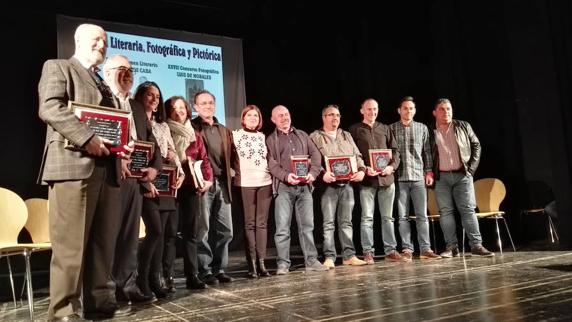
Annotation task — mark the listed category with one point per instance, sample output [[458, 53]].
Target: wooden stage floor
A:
[[521, 286]]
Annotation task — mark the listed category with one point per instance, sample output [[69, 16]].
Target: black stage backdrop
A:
[[506, 66]]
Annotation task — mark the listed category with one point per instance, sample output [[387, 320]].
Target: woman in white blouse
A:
[[253, 178]]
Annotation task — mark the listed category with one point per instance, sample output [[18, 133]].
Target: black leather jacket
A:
[[469, 147]]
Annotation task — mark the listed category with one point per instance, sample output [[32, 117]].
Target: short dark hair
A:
[[441, 101], [203, 91], [169, 103], [246, 110], [406, 99], [142, 89], [330, 106]]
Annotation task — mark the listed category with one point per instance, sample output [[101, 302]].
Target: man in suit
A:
[[83, 184], [118, 73]]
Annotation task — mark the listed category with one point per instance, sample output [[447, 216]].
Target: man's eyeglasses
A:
[[125, 69], [333, 115]]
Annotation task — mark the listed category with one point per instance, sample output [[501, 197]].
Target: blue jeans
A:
[[385, 196], [417, 192], [213, 243], [300, 198], [458, 188], [338, 203]]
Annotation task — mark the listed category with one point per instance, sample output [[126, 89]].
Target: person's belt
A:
[[453, 171]]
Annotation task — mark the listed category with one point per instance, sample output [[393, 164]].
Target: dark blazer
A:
[[59, 163]]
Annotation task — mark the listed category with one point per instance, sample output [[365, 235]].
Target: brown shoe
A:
[[407, 256], [429, 254], [368, 258], [481, 251], [393, 257]]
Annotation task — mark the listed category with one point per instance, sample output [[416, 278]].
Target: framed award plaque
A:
[[300, 166], [343, 167], [108, 123], [140, 157], [165, 180], [379, 158]]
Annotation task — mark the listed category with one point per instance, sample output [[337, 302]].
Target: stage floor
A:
[[521, 286]]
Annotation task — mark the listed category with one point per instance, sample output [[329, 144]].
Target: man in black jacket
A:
[[456, 154]]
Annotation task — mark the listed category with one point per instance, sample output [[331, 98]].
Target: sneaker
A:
[[354, 261], [407, 256], [316, 267], [393, 256], [450, 252], [329, 263], [282, 270], [481, 251], [429, 254], [368, 258]]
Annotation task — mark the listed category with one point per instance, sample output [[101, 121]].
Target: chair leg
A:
[[498, 233], [508, 232], [552, 228], [11, 281], [29, 282]]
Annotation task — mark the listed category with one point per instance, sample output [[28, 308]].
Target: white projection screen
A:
[[180, 62]]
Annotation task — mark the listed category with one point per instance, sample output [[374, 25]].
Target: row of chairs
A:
[[32, 215], [16, 214]]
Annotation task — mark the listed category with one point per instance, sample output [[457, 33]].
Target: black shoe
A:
[[170, 284], [194, 283], [223, 278], [108, 312], [156, 287], [135, 296], [68, 318], [210, 279], [262, 271]]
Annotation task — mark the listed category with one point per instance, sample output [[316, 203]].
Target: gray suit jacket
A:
[[62, 81]]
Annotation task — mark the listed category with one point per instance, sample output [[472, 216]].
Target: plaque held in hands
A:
[[379, 158], [343, 167], [140, 157], [300, 165], [164, 181], [108, 123]]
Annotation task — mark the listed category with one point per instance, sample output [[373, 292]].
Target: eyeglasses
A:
[[333, 115], [125, 69]]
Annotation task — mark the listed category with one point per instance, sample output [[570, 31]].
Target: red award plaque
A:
[[343, 167], [140, 157], [300, 166], [379, 158], [108, 123], [165, 180]]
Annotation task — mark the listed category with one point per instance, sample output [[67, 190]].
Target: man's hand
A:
[[358, 176], [371, 172], [387, 171], [96, 146], [149, 174], [207, 186], [328, 177], [125, 173], [292, 179], [152, 193], [429, 180], [310, 178]]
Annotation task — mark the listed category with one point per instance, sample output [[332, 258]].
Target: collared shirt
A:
[[414, 150], [449, 155], [289, 144], [126, 106]]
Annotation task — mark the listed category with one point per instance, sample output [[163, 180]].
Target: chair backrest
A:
[[489, 192], [38, 222], [432, 203], [13, 215]]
